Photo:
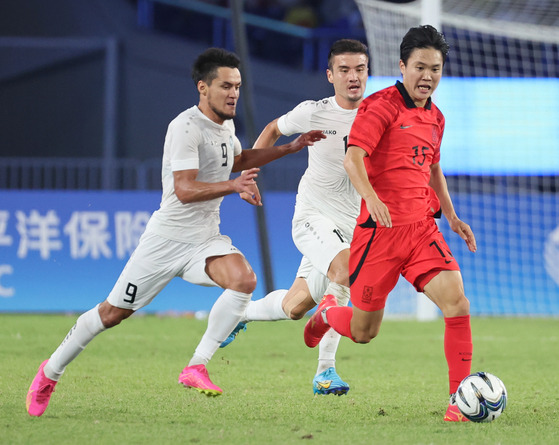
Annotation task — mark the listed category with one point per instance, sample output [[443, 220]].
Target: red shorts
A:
[[378, 256]]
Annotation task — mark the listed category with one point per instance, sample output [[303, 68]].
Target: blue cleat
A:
[[329, 382], [240, 327]]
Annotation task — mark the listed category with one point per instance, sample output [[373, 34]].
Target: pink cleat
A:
[[316, 327], [453, 413], [39, 392], [197, 377]]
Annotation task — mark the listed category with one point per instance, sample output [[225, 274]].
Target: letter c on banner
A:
[[6, 269]]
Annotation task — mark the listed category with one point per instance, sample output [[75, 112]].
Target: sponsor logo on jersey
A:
[[329, 132]]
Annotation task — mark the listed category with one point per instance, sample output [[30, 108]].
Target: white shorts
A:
[[318, 238], [157, 260]]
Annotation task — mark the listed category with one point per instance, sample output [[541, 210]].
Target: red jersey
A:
[[402, 141]]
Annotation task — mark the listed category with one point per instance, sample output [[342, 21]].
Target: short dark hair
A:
[[206, 64], [425, 36], [343, 46]]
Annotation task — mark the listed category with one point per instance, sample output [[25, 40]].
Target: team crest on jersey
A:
[[367, 295]]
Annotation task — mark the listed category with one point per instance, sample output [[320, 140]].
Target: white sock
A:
[[329, 344], [268, 308], [339, 291], [224, 316], [86, 328], [327, 351]]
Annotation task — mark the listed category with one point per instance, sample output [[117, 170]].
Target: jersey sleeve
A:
[[374, 116], [184, 141], [297, 120], [237, 147], [235, 142]]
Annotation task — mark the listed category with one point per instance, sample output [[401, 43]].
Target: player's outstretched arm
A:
[[465, 232], [438, 183], [267, 138], [188, 189], [269, 135], [257, 158], [355, 168]]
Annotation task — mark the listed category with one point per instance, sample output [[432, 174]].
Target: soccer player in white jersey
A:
[[326, 206], [182, 237]]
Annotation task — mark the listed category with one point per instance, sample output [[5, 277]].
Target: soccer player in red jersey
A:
[[393, 160]]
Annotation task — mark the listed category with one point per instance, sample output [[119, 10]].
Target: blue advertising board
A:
[[515, 270], [63, 251]]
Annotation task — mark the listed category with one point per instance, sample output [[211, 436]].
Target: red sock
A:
[[458, 349], [339, 319]]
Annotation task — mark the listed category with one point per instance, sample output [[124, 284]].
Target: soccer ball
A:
[[481, 397]]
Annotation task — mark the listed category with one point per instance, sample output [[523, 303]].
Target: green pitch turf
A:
[[123, 388]]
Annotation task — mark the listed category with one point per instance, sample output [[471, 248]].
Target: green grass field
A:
[[123, 388]]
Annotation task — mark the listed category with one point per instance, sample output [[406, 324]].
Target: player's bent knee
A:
[[339, 275], [463, 306], [245, 283], [113, 320], [362, 338], [456, 306], [300, 306], [111, 315], [250, 282], [296, 314]]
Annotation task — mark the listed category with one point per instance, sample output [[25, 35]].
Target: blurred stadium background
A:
[[87, 89]]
